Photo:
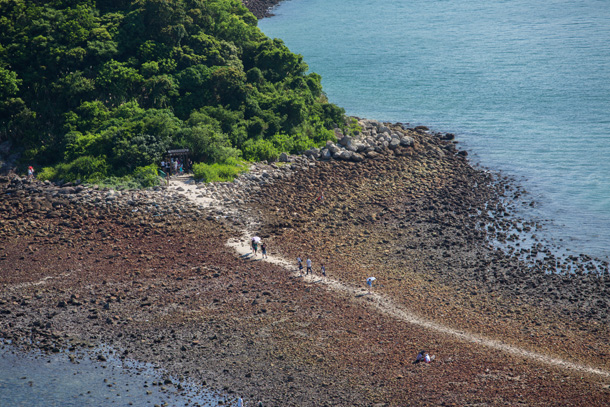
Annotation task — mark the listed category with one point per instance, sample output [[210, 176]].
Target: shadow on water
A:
[[91, 378]]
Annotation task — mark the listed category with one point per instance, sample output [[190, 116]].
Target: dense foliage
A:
[[226, 171], [93, 89]]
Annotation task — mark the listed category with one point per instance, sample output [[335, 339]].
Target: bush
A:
[[146, 176], [93, 170], [219, 172], [86, 168], [118, 183], [47, 173], [260, 150]]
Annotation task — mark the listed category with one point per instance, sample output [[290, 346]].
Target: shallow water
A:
[[524, 85], [36, 379]]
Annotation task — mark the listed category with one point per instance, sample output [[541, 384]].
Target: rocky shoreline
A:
[[148, 272], [261, 8]]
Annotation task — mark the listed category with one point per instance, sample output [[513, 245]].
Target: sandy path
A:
[[187, 187]]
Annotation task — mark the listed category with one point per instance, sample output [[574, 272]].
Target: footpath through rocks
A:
[[187, 186], [150, 274]]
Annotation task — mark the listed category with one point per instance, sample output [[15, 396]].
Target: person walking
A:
[[323, 270], [369, 282], [300, 265], [309, 270], [30, 172], [264, 250], [254, 246]]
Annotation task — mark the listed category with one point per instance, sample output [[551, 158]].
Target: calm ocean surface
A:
[[39, 380], [524, 85]]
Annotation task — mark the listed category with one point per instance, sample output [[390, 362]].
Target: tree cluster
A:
[[100, 88]]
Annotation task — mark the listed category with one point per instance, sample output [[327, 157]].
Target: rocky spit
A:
[[149, 273], [260, 8]]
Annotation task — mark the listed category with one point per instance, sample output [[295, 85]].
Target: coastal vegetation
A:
[[93, 90]]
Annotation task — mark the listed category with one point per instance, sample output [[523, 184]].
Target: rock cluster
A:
[[431, 204], [375, 139], [73, 204], [260, 8]]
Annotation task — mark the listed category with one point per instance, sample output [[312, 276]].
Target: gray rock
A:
[[283, 158], [406, 141], [394, 143], [357, 157], [360, 147], [383, 129], [345, 141], [334, 149], [345, 155], [67, 190]]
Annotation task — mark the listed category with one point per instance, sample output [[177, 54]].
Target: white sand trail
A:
[[381, 302]]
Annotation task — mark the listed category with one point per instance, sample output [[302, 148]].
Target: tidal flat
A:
[[150, 274]]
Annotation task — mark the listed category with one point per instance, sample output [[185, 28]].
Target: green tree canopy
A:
[[117, 83]]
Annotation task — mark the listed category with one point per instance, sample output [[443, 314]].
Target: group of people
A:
[[255, 243], [173, 166], [309, 267], [423, 356]]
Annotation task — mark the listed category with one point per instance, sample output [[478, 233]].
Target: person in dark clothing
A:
[[264, 250]]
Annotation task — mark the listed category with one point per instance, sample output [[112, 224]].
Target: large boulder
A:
[[345, 141], [333, 149], [394, 143], [312, 152], [383, 129], [406, 141], [357, 157], [344, 155], [325, 154], [360, 147]]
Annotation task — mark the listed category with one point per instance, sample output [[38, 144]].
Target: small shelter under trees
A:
[[183, 155]]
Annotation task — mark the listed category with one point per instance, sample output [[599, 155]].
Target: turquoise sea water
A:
[[524, 85]]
